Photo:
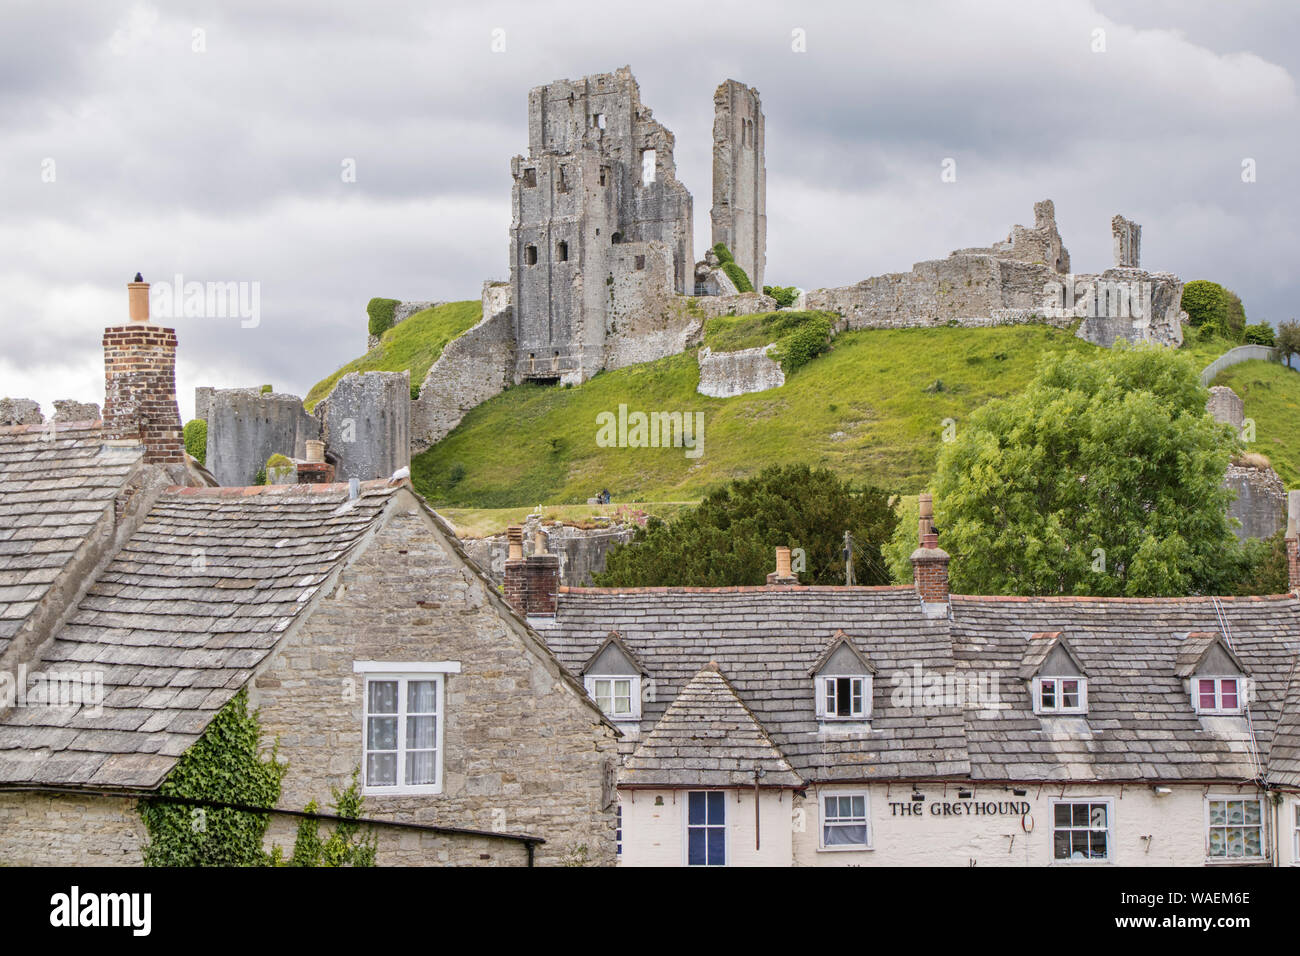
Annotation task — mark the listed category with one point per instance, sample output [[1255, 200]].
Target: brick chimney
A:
[[1293, 540], [930, 562], [542, 577], [140, 383], [783, 574], [315, 470], [516, 588]]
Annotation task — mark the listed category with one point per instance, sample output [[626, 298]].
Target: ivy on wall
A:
[[224, 766]]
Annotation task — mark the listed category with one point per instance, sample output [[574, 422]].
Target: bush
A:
[[785, 295], [1288, 339], [196, 439], [1214, 310], [1260, 334], [267, 389], [803, 344], [736, 274], [278, 461], [415, 392], [382, 313]]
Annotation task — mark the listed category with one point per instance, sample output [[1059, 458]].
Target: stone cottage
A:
[[136, 601]]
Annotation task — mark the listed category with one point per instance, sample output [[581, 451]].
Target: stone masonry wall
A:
[[366, 424], [523, 750], [739, 212], [246, 427], [69, 830], [1261, 501], [581, 550], [725, 374], [471, 369]]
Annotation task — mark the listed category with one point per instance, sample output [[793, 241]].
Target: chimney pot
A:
[[137, 296], [315, 451], [782, 574], [929, 561], [515, 538]]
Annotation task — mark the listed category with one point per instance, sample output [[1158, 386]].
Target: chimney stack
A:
[[1293, 540], [140, 383], [783, 574], [543, 579], [930, 562], [315, 470], [516, 588]]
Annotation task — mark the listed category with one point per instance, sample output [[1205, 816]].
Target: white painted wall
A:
[[1146, 829], [654, 828]]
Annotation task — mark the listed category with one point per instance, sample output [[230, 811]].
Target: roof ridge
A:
[[237, 491]]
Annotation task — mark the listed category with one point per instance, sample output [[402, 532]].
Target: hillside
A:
[[412, 346], [1271, 393], [872, 408]]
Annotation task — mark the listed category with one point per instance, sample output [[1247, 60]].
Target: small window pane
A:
[[717, 846], [421, 767], [697, 853], [382, 733], [421, 697], [1048, 695], [383, 697], [1229, 694], [381, 770], [1207, 694], [695, 809], [717, 807]]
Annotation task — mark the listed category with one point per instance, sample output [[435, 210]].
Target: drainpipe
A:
[[758, 772]]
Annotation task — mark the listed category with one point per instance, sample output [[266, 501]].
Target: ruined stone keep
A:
[[596, 204]]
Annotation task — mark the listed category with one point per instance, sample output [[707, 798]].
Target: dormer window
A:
[[842, 681], [1060, 695], [1057, 681], [1217, 695], [612, 677]]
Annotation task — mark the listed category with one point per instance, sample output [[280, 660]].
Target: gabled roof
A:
[[191, 605], [840, 639], [1197, 645], [708, 737], [1038, 649], [615, 641], [56, 483], [1284, 758]]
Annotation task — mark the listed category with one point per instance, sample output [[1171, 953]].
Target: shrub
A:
[[267, 390], [736, 274], [196, 439], [278, 461], [381, 313], [1216, 311], [1260, 334], [260, 479], [415, 392], [456, 473], [803, 344], [785, 295]]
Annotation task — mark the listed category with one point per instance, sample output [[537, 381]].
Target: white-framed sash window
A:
[[402, 734], [846, 823], [1234, 827], [1083, 830]]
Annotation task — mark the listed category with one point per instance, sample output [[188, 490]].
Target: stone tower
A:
[[597, 209], [739, 210]]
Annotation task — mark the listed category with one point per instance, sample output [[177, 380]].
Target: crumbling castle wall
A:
[[581, 551], [1023, 279], [726, 374], [1260, 505], [401, 312], [471, 369], [739, 212], [246, 427], [1126, 236], [366, 424], [1226, 407]]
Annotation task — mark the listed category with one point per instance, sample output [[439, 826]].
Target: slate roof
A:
[[54, 486], [193, 602], [766, 641], [1140, 723], [707, 737]]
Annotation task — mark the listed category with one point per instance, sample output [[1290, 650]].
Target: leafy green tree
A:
[[1264, 568], [1288, 340], [222, 766], [1259, 334], [1206, 305], [728, 539], [1104, 476]]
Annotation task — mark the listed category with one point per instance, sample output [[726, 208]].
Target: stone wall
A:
[[20, 411], [246, 427], [524, 751], [1126, 237], [1226, 407], [581, 551], [70, 410], [725, 374], [1024, 279], [1261, 501], [366, 424], [739, 212], [39, 829], [471, 369]]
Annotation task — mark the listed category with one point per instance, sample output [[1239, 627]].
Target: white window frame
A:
[[1295, 832], [1263, 827], [1218, 707], [1058, 693], [404, 674], [822, 824], [820, 693], [589, 681], [1109, 803], [727, 795]]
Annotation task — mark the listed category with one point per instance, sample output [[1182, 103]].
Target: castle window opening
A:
[[640, 262], [604, 178], [597, 120], [530, 255], [647, 167], [616, 238], [530, 177], [562, 251], [555, 361], [532, 362], [564, 179]]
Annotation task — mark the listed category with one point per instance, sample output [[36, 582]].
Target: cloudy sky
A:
[[209, 140]]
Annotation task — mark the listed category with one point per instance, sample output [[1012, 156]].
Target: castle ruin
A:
[[739, 212]]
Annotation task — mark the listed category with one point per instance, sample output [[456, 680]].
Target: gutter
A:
[[530, 842]]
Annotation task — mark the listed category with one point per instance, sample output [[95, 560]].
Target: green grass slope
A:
[[1271, 393], [412, 346], [873, 408]]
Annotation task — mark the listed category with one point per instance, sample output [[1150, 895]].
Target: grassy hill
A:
[[1271, 393], [872, 408], [412, 346]]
